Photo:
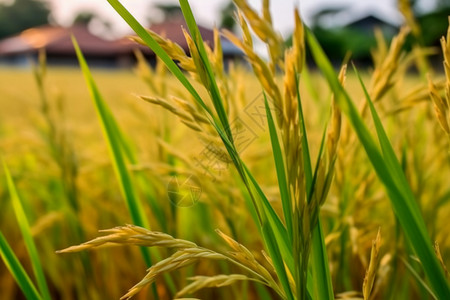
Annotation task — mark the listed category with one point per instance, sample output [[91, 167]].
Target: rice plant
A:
[[339, 200], [302, 190]]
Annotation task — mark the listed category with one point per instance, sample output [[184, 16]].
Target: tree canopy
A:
[[21, 15]]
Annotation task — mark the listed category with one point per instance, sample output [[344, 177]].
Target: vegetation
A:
[[21, 15], [279, 183]]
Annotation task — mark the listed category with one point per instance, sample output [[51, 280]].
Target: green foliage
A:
[[21, 15], [390, 173], [433, 25], [10, 259], [227, 16], [338, 42], [17, 270]]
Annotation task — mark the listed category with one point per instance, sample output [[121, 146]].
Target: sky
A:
[[207, 11]]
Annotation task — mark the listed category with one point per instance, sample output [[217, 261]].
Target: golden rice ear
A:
[[334, 130], [172, 49], [246, 35], [131, 235], [266, 11], [179, 259], [383, 75], [440, 106], [260, 69], [264, 30], [188, 113], [200, 72], [373, 266], [218, 54], [201, 282], [439, 256], [405, 8], [445, 45], [381, 50], [298, 42]]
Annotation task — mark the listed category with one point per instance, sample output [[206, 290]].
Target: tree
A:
[[84, 17], [227, 16], [170, 11], [21, 15], [94, 22]]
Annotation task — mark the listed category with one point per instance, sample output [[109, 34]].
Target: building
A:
[[18, 49], [57, 42]]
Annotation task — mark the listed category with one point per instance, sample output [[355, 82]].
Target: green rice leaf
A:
[[392, 162], [320, 283], [305, 146], [262, 292], [111, 135], [280, 233], [112, 138], [15, 267], [212, 86], [322, 287], [27, 237], [418, 278], [411, 220], [402, 206], [277, 259], [281, 172], [321, 279]]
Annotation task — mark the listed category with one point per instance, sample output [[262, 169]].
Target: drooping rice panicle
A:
[[201, 282]]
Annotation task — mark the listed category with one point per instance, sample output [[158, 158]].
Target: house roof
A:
[[57, 41], [355, 14], [389, 16]]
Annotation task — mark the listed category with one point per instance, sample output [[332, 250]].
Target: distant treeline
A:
[[337, 42]]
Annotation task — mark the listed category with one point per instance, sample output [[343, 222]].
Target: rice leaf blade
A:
[[212, 88], [407, 216], [305, 146], [408, 204], [278, 229], [391, 159], [418, 278], [16, 269], [111, 136], [281, 172], [321, 279], [319, 282], [26, 234], [322, 287], [277, 259]]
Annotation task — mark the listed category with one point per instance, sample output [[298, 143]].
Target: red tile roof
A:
[[57, 40]]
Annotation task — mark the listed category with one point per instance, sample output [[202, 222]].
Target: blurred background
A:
[[342, 26]]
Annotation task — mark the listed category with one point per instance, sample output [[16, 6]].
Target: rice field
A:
[[278, 180]]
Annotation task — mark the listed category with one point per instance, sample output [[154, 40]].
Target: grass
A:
[[329, 185]]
